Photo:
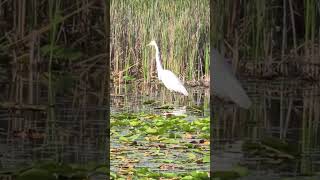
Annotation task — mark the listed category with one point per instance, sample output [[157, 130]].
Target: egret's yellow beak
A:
[[149, 44]]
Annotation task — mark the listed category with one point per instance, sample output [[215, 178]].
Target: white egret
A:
[[225, 84], [170, 80]]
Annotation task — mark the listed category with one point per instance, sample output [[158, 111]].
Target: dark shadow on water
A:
[[76, 136], [277, 137]]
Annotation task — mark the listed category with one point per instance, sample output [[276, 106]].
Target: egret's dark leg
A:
[[173, 97]]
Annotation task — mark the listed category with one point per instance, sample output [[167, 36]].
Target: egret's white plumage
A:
[[225, 84], [170, 80]]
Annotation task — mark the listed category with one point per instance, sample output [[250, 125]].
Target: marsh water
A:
[[154, 100], [140, 97], [277, 137], [31, 145]]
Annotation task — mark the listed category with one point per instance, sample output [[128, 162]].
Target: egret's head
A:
[[152, 43]]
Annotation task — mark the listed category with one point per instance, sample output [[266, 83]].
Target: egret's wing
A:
[[172, 82], [225, 83]]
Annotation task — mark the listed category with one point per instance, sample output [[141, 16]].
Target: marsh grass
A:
[[180, 28], [254, 30], [49, 52], [263, 32]]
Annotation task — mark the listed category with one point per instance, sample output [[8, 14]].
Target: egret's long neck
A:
[[159, 66]]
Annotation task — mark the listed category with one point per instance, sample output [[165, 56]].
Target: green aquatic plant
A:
[[170, 142]]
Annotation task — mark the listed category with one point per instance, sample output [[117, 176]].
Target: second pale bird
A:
[[170, 80], [225, 84]]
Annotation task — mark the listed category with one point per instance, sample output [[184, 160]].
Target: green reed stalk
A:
[[207, 61], [136, 23], [53, 16]]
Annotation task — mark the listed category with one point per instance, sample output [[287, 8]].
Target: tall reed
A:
[[262, 31], [54, 8], [180, 28]]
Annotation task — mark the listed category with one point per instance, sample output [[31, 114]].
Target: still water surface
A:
[[277, 137], [150, 99]]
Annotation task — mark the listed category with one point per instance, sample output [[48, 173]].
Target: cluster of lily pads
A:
[[152, 146]]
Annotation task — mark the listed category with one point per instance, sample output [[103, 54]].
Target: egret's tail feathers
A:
[[243, 100], [184, 92]]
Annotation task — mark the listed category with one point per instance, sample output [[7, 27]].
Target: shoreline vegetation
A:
[[183, 41]]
